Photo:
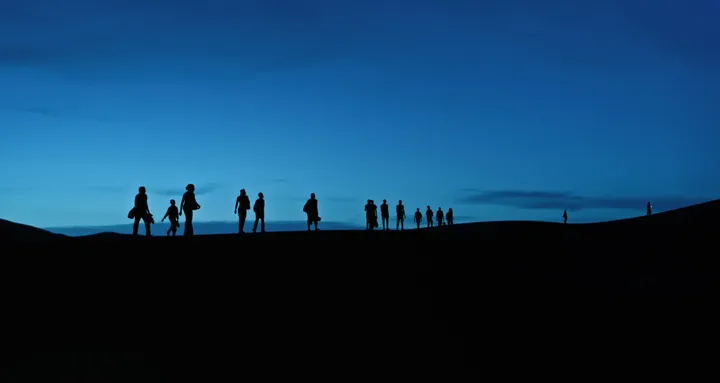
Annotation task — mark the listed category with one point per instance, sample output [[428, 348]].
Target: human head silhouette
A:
[[312, 195], [242, 191], [384, 201], [260, 195], [190, 187], [449, 209], [369, 201], [400, 202], [141, 189], [172, 202], [429, 207], [418, 209]]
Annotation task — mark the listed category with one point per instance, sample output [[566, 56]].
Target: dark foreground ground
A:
[[505, 298]]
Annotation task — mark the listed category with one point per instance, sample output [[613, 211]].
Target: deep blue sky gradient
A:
[[511, 109]]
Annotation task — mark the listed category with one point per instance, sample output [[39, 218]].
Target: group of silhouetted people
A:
[[188, 205], [371, 216], [141, 211], [242, 205]]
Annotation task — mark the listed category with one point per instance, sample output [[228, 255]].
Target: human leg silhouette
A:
[[242, 216], [189, 232]]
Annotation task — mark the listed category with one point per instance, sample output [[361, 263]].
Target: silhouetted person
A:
[[369, 216], [174, 215], [449, 217], [259, 209], [243, 203], [311, 209], [142, 211], [440, 217], [400, 211], [649, 209], [429, 216], [418, 217], [385, 213], [188, 205], [565, 216]]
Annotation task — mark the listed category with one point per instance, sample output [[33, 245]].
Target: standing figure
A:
[[565, 216], [385, 212], [418, 218], [369, 220], [259, 209], [449, 217], [311, 209], [429, 216], [174, 214], [400, 211], [649, 209], [440, 217], [242, 202], [142, 211], [188, 205]]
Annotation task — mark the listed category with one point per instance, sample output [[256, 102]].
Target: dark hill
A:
[[12, 231], [502, 296]]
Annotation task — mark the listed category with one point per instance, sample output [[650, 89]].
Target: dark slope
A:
[[505, 296], [12, 231]]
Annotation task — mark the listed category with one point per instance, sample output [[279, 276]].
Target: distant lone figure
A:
[[440, 217], [385, 213], [311, 209], [142, 211], [449, 217], [649, 209], [242, 202], [259, 209], [188, 205], [174, 215], [400, 211], [565, 216], [429, 216], [418, 218]]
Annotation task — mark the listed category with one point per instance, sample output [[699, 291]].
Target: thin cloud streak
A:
[[174, 192], [564, 200]]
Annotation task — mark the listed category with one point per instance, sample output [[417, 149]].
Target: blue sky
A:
[[509, 109]]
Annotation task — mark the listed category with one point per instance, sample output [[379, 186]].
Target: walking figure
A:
[[565, 216], [141, 211], [400, 211], [370, 215], [174, 215], [649, 209], [418, 218], [311, 209], [259, 209], [188, 205], [242, 202], [385, 212], [429, 216], [440, 217], [449, 217]]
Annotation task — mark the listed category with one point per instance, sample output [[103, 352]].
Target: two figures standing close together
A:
[[141, 211], [242, 205]]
